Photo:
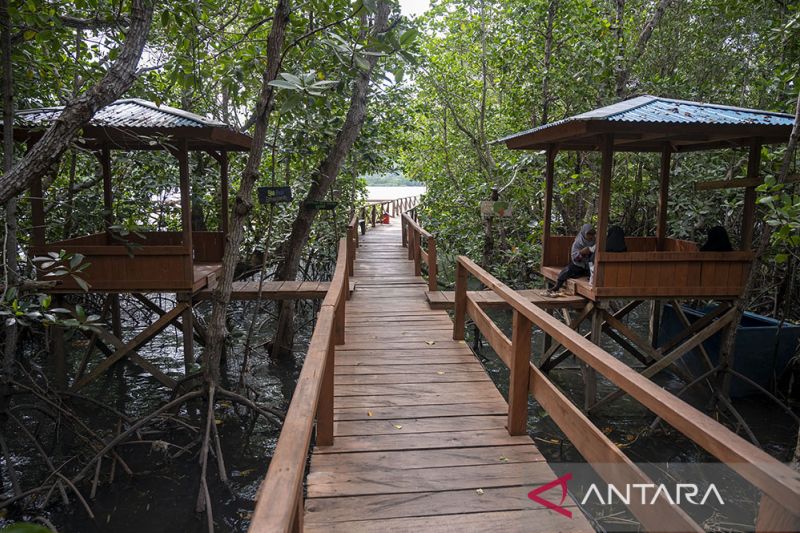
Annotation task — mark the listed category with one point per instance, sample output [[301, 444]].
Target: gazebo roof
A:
[[645, 123], [134, 124]]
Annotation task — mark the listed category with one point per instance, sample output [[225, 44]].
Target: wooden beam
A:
[[224, 185], [663, 197], [519, 375], [186, 202], [673, 356], [736, 183], [108, 192], [749, 208], [549, 169], [127, 349], [604, 206]]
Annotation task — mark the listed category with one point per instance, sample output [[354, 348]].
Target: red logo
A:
[[562, 482]]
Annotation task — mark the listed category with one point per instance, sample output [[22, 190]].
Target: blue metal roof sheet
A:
[[127, 113], [654, 109]]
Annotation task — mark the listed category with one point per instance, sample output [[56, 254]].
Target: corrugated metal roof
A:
[[654, 109], [127, 113]]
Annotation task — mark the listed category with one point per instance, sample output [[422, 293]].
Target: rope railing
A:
[[779, 484]]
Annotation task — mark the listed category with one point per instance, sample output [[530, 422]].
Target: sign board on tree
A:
[[495, 209], [274, 195]]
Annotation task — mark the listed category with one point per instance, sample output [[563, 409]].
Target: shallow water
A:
[[161, 495]]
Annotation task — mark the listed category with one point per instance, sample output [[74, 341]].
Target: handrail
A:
[[412, 234], [279, 502], [779, 484]]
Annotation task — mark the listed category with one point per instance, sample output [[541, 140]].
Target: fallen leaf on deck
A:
[[503, 458], [440, 373], [430, 343], [369, 413], [397, 426], [479, 491]]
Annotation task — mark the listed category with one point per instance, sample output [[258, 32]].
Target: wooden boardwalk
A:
[[420, 430]]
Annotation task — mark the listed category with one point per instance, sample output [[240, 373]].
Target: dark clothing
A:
[[615, 240], [717, 241], [570, 271]]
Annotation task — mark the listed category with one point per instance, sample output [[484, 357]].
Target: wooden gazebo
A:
[[654, 268], [659, 266], [184, 261]]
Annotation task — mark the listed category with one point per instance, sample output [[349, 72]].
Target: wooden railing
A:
[[374, 210], [780, 485], [413, 235], [279, 502]]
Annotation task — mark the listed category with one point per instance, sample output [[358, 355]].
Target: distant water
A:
[[392, 193]]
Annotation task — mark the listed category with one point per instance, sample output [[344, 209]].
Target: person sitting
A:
[[717, 241], [615, 240], [581, 255]]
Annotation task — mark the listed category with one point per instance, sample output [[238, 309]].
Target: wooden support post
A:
[[663, 197], [37, 212], [655, 322], [372, 215], [128, 348], [299, 512], [589, 374], [186, 208], [58, 352], [410, 235], [604, 206], [108, 191], [404, 231], [549, 169], [773, 517], [224, 185], [362, 220], [339, 320], [325, 406], [433, 284], [519, 375], [116, 319], [187, 319], [460, 303], [749, 209], [417, 254]]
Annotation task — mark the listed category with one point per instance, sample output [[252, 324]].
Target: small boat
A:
[[763, 348]]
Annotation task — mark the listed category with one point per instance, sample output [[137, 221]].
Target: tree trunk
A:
[[217, 330], [325, 175], [552, 8], [10, 251], [729, 338], [80, 110]]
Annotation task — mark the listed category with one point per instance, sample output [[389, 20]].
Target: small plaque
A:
[[274, 195], [495, 209], [323, 205]]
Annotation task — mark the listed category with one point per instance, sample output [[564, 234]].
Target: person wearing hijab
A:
[[615, 240], [717, 241], [581, 255]]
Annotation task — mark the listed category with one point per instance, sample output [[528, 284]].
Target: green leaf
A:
[[281, 84], [28, 35], [81, 283], [25, 527]]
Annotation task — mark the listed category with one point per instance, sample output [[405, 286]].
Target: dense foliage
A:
[[490, 69]]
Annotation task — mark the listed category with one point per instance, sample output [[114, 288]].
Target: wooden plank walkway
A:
[[420, 429], [274, 290], [490, 299]]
